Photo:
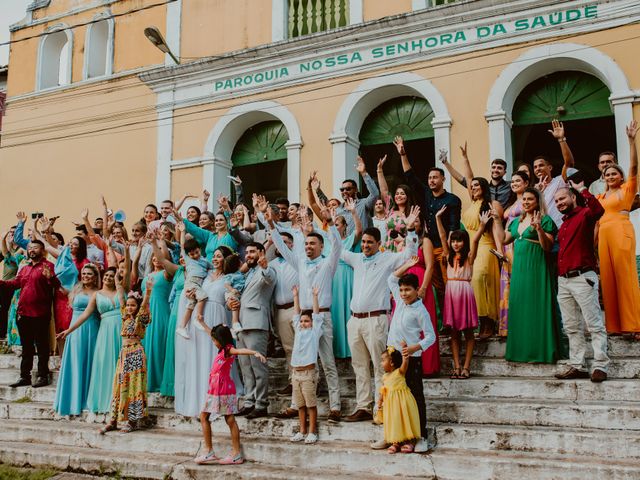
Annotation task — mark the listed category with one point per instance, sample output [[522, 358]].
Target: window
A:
[[311, 16], [99, 49], [54, 59]]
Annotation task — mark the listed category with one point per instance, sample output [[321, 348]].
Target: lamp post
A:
[[155, 37]]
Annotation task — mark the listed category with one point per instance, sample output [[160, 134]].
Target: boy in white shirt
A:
[[304, 377]]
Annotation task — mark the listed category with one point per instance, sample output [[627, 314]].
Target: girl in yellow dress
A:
[[399, 409]]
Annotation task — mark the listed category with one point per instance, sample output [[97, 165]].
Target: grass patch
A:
[[23, 400], [12, 473]]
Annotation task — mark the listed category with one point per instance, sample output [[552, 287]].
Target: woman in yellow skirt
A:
[[397, 405]]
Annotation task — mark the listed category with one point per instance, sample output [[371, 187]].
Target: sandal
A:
[[465, 374], [393, 448], [129, 427], [407, 448], [109, 427], [455, 373]]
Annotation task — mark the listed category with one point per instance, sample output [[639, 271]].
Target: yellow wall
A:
[[186, 180], [374, 9]]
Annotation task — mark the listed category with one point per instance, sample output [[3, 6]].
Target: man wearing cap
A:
[[578, 282]]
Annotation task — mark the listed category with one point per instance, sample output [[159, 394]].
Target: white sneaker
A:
[[422, 446], [298, 437], [182, 332], [311, 438]]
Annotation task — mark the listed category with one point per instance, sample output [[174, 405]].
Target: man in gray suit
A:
[[255, 309]]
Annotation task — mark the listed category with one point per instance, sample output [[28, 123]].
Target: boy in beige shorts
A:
[[304, 376]]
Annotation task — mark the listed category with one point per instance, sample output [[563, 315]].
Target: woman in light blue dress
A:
[[108, 344], [343, 286], [77, 358], [155, 341], [208, 240], [177, 272]]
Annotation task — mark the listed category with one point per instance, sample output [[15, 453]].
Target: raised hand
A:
[[21, 216], [399, 143], [85, 214], [485, 217], [440, 212], [178, 217], [463, 150], [46, 271], [360, 166], [412, 261], [350, 205], [233, 221], [180, 226], [557, 130], [632, 130], [313, 180], [543, 183], [237, 181], [315, 290], [381, 163], [223, 201], [444, 154], [205, 195], [268, 215], [104, 202], [263, 205], [262, 260], [535, 220], [577, 186], [413, 215]]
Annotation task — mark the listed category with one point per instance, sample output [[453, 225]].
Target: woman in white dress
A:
[[194, 356]]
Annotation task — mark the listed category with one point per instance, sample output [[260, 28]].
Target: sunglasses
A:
[[344, 189]]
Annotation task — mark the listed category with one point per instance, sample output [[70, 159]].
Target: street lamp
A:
[[155, 37]]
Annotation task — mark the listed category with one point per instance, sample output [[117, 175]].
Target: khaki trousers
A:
[[367, 340]]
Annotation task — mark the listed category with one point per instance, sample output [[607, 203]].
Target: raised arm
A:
[[315, 292], [50, 249], [632, 130], [286, 253], [382, 181], [546, 239], [442, 232], [204, 204], [464, 178], [557, 130], [87, 223], [183, 199], [239, 190], [370, 201], [350, 205], [313, 185], [169, 267], [18, 234], [105, 222], [473, 250], [414, 182]]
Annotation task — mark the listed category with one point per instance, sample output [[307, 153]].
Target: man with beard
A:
[[255, 309], [578, 283], [37, 283]]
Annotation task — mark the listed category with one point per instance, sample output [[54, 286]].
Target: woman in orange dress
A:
[[616, 246]]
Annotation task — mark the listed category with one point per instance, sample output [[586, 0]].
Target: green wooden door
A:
[[562, 95], [409, 117]]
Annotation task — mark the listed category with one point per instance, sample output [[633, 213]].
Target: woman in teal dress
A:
[[177, 272], [343, 285], [155, 341], [13, 337], [534, 331], [210, 241], [77, 358], [108, 344]]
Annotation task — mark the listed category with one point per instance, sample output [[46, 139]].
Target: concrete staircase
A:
[[508, 421]]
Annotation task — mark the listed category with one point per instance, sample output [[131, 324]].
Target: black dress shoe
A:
[[598, 376], [245, 411], [41, 382], [257, 413], [23, 382]]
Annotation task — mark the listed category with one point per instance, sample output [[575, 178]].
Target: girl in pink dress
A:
[[221, 397], [460, 311]]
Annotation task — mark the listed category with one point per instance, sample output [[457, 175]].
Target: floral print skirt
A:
[[129, 402]]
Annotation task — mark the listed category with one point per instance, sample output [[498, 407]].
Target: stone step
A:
[[548, 413], [445, 464], [496, 347], [599, 443], [11, 360], [353, 457], [149, 465]]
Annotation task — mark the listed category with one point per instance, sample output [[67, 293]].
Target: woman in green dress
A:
[[155, 340], [534, 331]]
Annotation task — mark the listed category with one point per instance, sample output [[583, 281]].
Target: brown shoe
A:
[[598, 376], [334, 416], [288, 390], [287, 413], [359, 416], [571, 374]]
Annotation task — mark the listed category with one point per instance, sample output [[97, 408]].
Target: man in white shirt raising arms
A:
[[369, 323]]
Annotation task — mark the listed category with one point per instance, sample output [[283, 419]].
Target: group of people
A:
[[169, 303]]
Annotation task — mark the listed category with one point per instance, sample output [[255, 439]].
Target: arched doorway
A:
[[409, 117], [581, 102], [260, 159]]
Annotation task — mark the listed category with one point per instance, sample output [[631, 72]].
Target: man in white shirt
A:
[[166, 208], [599, 186], [314, 269], [542, 168], [368, 326]]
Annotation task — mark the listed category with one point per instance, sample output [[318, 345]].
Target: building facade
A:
[[275, 89]]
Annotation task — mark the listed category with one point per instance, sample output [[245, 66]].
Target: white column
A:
[[355, 12], [419, 4], [217, 172], [442, 141], [500, 138], [164, 145], [293, 170], [279, 20], [345, 151], [174, 28], [623, 113]]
